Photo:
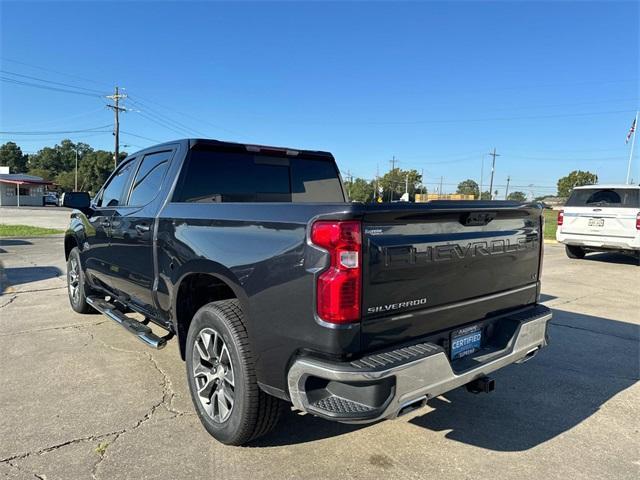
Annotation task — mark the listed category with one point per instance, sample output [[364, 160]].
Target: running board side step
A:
[[139, 329]]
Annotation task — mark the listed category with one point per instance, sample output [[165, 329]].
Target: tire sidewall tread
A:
[[254, 412]]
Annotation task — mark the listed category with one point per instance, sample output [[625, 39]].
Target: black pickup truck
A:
[[280, 291]]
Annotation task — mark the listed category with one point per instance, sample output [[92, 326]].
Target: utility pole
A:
[[376, 194], [493, 168], [506, 192], [76, 182], [116, 125], [481, 177], [393, 162], [349, 182], [441, 186], [633, 142]]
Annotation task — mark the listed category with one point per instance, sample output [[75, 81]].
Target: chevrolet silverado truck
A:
[[280, 291]]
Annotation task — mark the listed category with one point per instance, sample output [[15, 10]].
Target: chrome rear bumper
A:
[[413, 373]]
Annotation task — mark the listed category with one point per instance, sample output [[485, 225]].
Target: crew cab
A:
[[600, 218], [281, 291]]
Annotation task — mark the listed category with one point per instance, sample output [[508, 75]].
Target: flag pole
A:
[[633, 141]]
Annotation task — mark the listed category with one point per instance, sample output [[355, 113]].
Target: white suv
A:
[[600, 217]]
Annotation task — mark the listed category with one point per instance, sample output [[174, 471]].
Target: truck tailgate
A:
[[432, 267]]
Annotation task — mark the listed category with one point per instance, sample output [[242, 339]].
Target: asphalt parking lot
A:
[[45, 217], [81, 398]]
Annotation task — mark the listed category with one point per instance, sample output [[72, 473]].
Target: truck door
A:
[[96, 255], [132, 230]]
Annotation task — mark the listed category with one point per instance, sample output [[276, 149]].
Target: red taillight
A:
[[560, 217], [338, 288], [638, 221]]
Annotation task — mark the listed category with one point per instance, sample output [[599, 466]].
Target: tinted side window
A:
[[113, 193], [149, 178], [315, 181], [211, 176]]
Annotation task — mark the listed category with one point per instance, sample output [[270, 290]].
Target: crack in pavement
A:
[[47, 329], [595, 332], [9, 301], [20, 469], [36, 290], [165, 401]]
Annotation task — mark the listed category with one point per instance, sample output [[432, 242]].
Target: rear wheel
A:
[[574, 252], [222, 379]]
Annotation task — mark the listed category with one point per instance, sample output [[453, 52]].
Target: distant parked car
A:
[[600, 218], [50, 198]]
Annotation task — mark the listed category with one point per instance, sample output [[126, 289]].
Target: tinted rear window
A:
[[612, 197], [212, 176]]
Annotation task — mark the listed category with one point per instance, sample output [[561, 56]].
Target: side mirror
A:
[[77, 200]]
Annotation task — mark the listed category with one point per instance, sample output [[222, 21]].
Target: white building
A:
[[21, 190]]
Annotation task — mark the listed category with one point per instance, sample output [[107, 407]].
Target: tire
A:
[[216, 328], [574, 252], [76, 284]]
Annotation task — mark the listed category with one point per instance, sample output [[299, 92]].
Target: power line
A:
[[140, 136], [54, 132], [199, 120], [47, 87], [6, 72], [58, 72], [171, 124], [458, 120]]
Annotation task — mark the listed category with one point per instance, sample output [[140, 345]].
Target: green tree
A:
[[94, 169], [360, 190], [485, 195], [393, 182], [576, 178], [47, 158], [11, 156], [469, 187], [517, 196], [41, 172], [66, 181]]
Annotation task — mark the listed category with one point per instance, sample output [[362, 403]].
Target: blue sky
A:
[[553, 86]]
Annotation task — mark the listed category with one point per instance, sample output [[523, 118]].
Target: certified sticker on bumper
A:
[[465, 341]]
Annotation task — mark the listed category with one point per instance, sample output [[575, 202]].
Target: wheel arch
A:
[[199, 283], [70, 241]]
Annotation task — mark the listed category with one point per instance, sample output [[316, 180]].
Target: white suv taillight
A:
[[338, 288], [638, 221], [560, 217]]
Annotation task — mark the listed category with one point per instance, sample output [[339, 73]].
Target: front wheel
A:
[[222, 378], [574, 251], [76, 284]]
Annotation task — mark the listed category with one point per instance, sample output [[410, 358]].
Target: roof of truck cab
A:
[[240, 147], [607, 185], [252, 147]]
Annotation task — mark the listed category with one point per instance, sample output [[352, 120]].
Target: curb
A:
[[549, 241]]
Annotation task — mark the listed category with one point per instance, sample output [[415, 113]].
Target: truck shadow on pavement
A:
[[589, 360], [22, 275], [612, 257], [13, 242]]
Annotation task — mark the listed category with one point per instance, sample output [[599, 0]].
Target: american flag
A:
[[631, 130]]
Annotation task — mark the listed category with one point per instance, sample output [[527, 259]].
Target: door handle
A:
[[141, 228]]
